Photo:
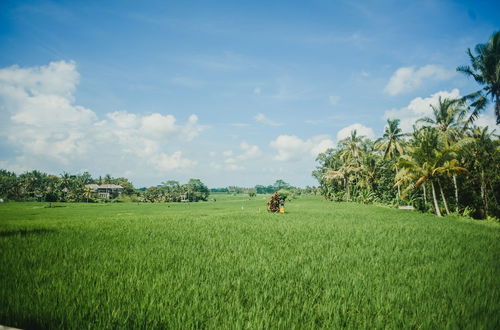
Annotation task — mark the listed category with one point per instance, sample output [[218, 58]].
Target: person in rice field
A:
[[276, 203]]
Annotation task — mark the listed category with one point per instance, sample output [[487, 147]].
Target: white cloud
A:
[[123, 119], [43, 95], [57, 78], [174, 161], [293, 148], [320, 144], [42, 122], [250, 151], [407, 79], [157, 126], [360, 129], [261, 118], [192, 129], [417, 108], [487, 120], [233, 162], [334, 99], [257, 90]]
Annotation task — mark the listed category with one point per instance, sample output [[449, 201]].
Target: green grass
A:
[[230, 264]]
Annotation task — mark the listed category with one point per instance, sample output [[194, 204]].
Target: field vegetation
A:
[[231, 264]]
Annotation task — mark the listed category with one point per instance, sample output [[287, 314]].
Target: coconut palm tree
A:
[[342, 174], [424, 161], [392, 143], [448, 118], [351, 147], [480, 152], [451, 168], [485, 69], [87, 192]]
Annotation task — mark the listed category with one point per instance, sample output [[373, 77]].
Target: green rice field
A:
[[229, 264]]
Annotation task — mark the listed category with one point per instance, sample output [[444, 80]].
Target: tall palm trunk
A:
[[484, 194], [444, 199], [497, 107], [425, 194], [399, 188], [436, 206], [456, 191]]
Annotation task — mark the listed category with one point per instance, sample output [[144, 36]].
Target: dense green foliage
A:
[[438, 167], [441, 158], [173, 191], [269, 189], [39, 186], [231, 264]]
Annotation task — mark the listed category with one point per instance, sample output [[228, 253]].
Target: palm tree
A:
[[485, 69], [369, 170], [450, 168], [108, 178], [392, 143], [342, 174], [448, 119], [351, 147], [87, 192], [480, 152], [351, 150], [424, 161]]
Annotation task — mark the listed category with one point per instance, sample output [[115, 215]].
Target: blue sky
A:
[[233, 93]]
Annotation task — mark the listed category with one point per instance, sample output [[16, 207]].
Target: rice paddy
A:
[[230, 264]]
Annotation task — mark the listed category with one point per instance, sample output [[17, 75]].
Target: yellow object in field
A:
[[282, 210]]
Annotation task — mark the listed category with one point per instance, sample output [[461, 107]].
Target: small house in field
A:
[[107, 190]]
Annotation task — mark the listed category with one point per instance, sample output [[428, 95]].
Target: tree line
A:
[[447, 164], [39, 186], [173, 191], [269, 189]]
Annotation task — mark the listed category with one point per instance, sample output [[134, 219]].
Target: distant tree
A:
[[252, 192], [280, 184], [197, 190], [10, 188], [87, 193], [108, 179]]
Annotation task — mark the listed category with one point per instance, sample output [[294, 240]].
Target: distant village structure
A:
[[106, 191]]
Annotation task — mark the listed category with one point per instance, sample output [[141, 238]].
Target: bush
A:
[[284, 194]]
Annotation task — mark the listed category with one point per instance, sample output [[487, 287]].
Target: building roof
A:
[[110, 186], [104, 186]]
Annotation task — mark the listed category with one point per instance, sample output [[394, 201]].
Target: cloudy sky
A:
[[233, 93]]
